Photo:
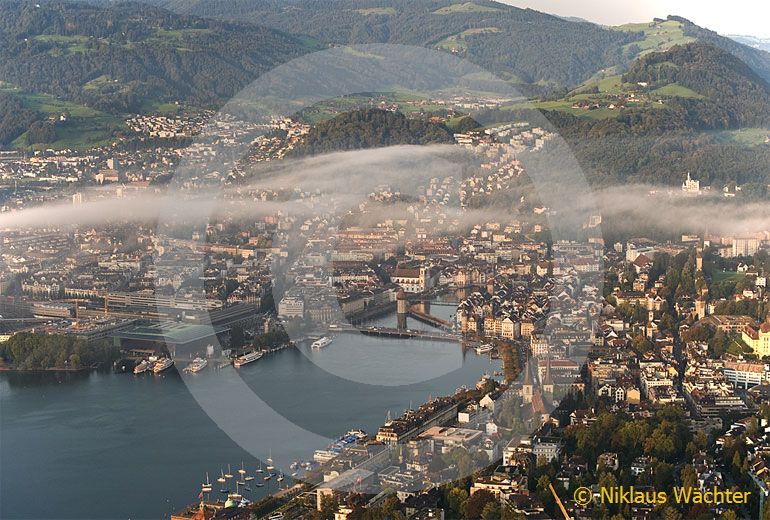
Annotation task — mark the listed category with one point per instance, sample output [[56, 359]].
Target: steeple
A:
[[527, 387], [527, 373]]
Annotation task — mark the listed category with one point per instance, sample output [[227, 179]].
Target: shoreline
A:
[[10, 369]]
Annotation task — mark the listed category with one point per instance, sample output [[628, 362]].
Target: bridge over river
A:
[[428, 335]]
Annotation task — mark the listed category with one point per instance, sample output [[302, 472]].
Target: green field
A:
[[658, 36], [78, 135], [746, 136], [373, 11], [565, 105], [611, 84], [676, 90], [99, 83], [722, 276], [737, 347], [467, 7], [458, 41], [85, 127], [49, 105], [65, 44]]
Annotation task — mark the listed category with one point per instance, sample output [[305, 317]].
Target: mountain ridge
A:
[[114, 58]]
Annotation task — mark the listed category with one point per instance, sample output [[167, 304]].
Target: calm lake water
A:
[[106, 445]]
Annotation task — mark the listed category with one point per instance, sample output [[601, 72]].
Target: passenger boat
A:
[[143, 366], [321, 343], [162, 365], [196, 365], [247, 358], [483, 349]]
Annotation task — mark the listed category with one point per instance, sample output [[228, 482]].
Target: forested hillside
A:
[[370, 128], [757, 59], [14, 118], [694, 107], [127, 56], [732, 94], [526, 46]]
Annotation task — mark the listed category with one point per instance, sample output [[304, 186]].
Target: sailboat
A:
[[221, 479], [268, 476], [237, 495], [206, 486], [269, 461], [229, 473], [242, 471], [249, 478], [259, 469]]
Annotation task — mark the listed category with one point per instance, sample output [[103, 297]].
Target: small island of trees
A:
[[34, 351]]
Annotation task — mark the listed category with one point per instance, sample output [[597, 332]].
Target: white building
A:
[[690, 186], [291, 307]]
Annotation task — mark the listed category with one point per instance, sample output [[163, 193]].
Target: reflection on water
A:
[[44, 378]]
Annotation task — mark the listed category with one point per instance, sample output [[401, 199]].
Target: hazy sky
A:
[[746, 17]]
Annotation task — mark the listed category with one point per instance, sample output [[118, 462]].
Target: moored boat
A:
[[196, 365], [143, 366], [483, 349], [321, 343], [247, 358], [162, 365]]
